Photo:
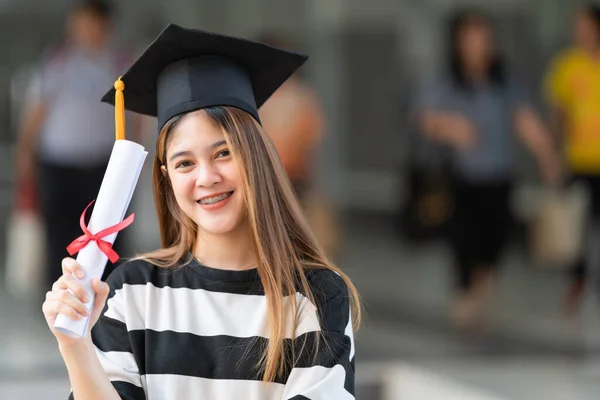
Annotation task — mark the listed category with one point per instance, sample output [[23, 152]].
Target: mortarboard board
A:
[[185, 69]]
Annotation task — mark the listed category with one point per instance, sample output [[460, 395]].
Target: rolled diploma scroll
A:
[[124, 167]]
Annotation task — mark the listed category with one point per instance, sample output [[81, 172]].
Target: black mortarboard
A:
[[188, 69]]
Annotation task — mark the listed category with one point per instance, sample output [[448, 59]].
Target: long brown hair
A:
[[283, 242]]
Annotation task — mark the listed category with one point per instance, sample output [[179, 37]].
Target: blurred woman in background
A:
[[474, 106], [573, 92]]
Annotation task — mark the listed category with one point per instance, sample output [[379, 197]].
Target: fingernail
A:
[[79, 273], [86, 298]]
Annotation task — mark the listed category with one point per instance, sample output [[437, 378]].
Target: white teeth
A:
[[212, 200]]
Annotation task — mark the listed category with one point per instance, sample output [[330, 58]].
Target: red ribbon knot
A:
[[103, 245]]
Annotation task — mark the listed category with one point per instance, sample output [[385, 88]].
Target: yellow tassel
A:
[[119, 110]]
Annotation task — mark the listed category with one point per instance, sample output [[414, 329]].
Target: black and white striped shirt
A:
[[197, 333]]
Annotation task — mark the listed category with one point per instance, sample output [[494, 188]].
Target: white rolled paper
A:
[[124, 167]]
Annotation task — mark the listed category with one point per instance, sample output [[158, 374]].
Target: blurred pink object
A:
[[26, 197]]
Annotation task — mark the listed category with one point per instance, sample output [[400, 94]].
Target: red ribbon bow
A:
[[87, 236]]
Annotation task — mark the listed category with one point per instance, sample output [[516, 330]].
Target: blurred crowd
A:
[[475, 111]]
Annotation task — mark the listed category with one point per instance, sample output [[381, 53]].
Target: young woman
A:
[[240, 301], [572, 92], [474, 107]]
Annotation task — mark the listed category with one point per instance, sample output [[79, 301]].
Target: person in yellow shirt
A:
[[573, 91]]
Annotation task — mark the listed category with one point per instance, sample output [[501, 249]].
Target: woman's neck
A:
[[231, 251], [593, 52], [476, 73]]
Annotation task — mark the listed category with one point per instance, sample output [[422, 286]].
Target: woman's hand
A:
[[551, 169], [452, 128], [460, 131], [60, 301]]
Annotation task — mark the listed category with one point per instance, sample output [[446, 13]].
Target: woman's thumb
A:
[[101, 289]]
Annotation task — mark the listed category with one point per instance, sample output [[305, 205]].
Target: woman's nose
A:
[[207, 176]]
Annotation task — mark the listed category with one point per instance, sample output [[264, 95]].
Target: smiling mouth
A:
[[215, 199]]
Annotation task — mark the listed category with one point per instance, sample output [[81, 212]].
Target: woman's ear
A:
[[163, 169]]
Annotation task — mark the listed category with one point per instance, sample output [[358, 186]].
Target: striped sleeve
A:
[[113, 345], [324, 367]]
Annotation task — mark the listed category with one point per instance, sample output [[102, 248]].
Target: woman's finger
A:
[[73, 302], [71, 266], [77, 289], [64, 282], [54, 307]]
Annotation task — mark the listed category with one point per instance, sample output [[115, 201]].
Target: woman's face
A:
[[204, 176], [475, 45], [89, 30], [584, 31]]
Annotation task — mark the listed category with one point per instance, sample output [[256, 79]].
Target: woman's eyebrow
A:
[[179, 154], [188, 153], [218, 144]]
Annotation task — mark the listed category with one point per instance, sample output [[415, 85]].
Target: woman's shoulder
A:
[[332, 299], [570, 54], [325, 283], [437, 77], [434, 83], [567, 58]]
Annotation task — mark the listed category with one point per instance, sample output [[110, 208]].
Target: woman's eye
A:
[[183, 164], [223, 153]]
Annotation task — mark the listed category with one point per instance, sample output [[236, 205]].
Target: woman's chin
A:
[[215, 232], [216, 227]]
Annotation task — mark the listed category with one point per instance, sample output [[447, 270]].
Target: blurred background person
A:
[[474, 106], [294, 121], [67, 135], [573, 93]]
